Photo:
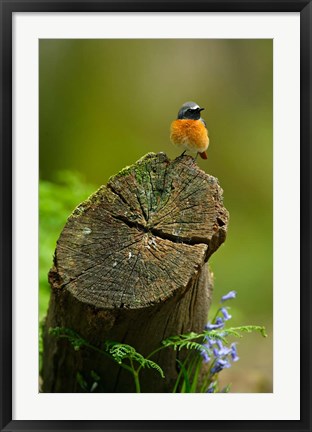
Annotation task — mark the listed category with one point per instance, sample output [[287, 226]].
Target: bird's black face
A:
[[190, 110]]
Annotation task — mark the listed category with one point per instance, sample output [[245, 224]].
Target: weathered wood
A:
[[130, 265]]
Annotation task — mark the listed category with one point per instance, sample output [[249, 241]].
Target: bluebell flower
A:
[[219, 365], [211, 388], [224, 351], [209, 342], [216, 369], [220, 344], [219, 320], [204, 354], [234, 352], [225, 363], [223, 355], [228, 296], [218, 324], [225, 314]]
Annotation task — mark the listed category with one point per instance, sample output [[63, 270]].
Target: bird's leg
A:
[[182, 154], [195, 158]]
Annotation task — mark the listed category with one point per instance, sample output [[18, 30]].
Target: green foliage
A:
[[40, 334], [83, 383], [118, 352], [189, 342], [186, 387], [74, 338], [188, 377], [189, 374], [56, 202], [183, 341], [121, 352], [234, 331]]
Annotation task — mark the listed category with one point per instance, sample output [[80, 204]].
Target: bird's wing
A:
[[203, 121]]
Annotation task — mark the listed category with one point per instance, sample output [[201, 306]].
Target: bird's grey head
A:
[[190, 110]]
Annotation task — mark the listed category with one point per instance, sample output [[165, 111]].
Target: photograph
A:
[[155, 215]]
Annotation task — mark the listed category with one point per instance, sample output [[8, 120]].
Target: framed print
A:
[[155, 203]]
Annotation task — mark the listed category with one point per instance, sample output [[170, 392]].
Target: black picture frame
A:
[[7, 9]]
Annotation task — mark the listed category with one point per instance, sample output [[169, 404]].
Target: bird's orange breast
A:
[[191, 134]]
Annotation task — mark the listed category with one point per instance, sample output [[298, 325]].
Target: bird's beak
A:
[[201, 109]]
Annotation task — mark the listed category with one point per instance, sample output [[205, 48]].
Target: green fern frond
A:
[[184, 341], [222, 334], [121, 352], [153, 365], [74, 338], [215, 335], [235, 331]]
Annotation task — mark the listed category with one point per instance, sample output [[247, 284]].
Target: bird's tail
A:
[[203, 155]]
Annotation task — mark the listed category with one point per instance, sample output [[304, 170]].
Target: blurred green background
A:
[[105, 103]]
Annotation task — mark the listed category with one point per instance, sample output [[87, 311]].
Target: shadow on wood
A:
[[130, 266]]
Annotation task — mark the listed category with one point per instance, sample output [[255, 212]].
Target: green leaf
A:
[[222, 334], [74, 338], [81, 381], [153, 365], [235, 331], [121, 352], [56, 202], [196, 375], [186, 387], [184, 341], [95, 376]]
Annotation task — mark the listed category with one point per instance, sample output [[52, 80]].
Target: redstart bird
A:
[[189, 130]]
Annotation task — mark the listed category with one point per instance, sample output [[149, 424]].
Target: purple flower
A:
[[228, 296], [219, 365], [210, 342], [219, 324], [225, 351], [225, 314], [234, 352], [222, 351], [220, 344], [211, 388], [204, 354], [222, 355], [216, 369]]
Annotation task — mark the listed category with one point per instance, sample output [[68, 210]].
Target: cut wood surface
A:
[[130, 266]]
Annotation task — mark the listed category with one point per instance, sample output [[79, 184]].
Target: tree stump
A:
[[130, 266]]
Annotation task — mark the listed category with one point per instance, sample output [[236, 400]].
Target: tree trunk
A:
[[130, 266]]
